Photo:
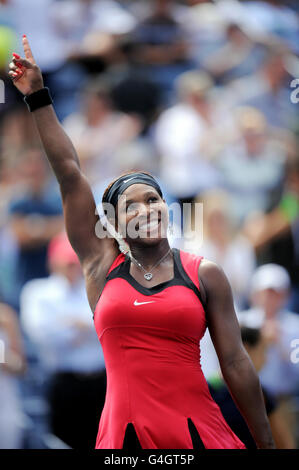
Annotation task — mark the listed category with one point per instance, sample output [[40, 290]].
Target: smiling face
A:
[[142, 215]]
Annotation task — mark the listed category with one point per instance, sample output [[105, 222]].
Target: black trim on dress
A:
[[180, 278]]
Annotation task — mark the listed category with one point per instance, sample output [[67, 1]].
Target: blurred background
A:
[[203, 94]]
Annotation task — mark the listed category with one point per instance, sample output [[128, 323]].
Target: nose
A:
[[142, 210], [139, 210]]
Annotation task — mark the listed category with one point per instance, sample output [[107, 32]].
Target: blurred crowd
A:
[[205, 96]]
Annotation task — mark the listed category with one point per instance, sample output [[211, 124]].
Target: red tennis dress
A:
[[150, 339]]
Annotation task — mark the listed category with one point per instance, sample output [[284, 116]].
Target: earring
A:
[[122, 245]]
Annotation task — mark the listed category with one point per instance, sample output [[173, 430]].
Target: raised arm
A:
[[78, 202], [236, 366]]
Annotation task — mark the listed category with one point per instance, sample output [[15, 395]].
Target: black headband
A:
[[120, 185]]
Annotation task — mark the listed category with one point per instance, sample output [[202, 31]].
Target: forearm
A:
[[244, 386], [58, 146]]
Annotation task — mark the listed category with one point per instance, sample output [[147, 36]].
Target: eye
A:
[[152, 199]]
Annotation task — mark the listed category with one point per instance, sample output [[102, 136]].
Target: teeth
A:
[[150, 226]]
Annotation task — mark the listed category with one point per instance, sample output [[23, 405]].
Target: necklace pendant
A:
[[148, 276]]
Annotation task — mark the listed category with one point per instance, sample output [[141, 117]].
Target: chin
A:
[[151, 241], [147, 241]]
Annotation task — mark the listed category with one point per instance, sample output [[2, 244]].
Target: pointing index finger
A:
[[27, 49]]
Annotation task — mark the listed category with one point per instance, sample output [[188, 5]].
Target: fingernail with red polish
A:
[[24, 36], [16, 55]]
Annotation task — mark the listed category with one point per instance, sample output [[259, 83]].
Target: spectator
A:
[[159, 46], [270, 289], [204, 27], [268, 89], [17, 133], [98, 130], [219, 241], [93, 30], [274, 17], [274, 235], [252, 168], [223, 244], [256, 347], [8, 246], [58, 321], [12, 365], [241, 55], [179, 133], [76, 18], [269, 293], [7, 45], [35, 217], [36, 19]]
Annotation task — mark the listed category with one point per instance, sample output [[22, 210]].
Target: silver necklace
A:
[[148, 274]]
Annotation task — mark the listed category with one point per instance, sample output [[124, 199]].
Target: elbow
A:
[[69, 177], [241, 369]]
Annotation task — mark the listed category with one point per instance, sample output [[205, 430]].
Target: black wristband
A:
[[38, 99]]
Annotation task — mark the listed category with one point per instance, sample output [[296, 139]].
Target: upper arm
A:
[[81, 219], [221, 317]]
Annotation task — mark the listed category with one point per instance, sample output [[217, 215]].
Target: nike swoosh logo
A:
[[143, 303], [125, 181]]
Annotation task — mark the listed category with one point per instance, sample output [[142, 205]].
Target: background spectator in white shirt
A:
[[179, 133], [12, 365], [252, 167], [57, 319], [269, 294]]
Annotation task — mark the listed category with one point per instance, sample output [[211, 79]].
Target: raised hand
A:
[[25, 73]]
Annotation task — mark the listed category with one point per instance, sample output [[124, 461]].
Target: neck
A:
[[149, 255]]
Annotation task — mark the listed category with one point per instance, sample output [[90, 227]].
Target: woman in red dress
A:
[[151, 307]]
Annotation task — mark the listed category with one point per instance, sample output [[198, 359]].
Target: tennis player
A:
[[151, 306]]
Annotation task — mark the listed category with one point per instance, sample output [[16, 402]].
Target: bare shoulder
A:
[[211, 274], [214, 284]]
